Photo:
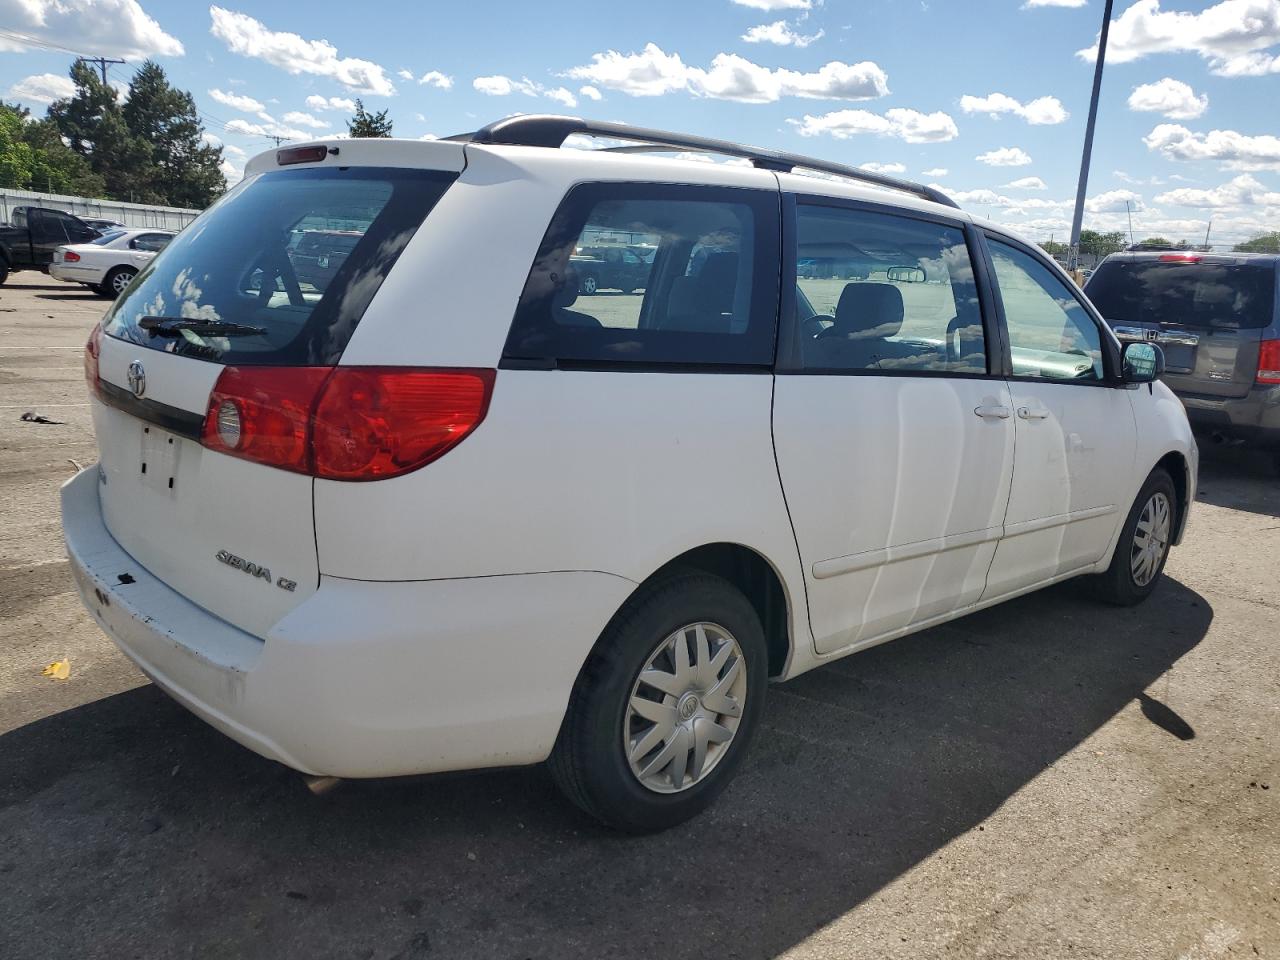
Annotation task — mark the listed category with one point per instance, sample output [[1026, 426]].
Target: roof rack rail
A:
[[552, 131]]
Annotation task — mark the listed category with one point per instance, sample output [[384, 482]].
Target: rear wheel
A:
[[116, 281], [1144, 543], [665, 707], [589, 284], [4, 272]]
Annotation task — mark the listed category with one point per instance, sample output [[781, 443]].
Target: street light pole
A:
[[1073, 252]]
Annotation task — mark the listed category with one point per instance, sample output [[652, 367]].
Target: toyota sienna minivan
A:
[[440, 509]]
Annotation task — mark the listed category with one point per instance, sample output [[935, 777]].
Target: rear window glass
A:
[[1238, 296], [291, 259], [653, 273]]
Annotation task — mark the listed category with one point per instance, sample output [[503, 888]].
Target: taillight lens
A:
[[345, 423], [1269, 361], [93, 350], [70, 256]]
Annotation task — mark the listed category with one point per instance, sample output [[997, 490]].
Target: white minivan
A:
[[435, 507]]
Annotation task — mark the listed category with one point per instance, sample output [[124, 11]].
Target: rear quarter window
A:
[[240, 262], [637, 274]]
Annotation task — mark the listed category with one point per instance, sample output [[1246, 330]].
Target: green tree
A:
[[1100, 244], [181, 170], [33, 157], [1163, 243], [1054, 248], [1262, 243], [365, 124], [92, 123]]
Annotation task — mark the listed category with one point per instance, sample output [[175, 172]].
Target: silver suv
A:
[[1218, 319]]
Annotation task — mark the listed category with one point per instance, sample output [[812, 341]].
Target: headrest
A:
[[869, 310]]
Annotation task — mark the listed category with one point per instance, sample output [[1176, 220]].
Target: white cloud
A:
[[591, 93], [249, 37], [780, 33], [1032, 4], [1041, 111], [1173, 98], [1230, 35], [909, 125], [1113, 201], [428, 136], [562, 95], [654, 72], [231, 150], [935, 172], [500, 86], [237, 101], [884, 167], [1243, 191], [270, 130], [212, 139], [41, 88], [305, 120], [331, 103], [233, 173], [107, 28], [1027, 183], [1235, 151], [1005, 157], [775, 4], [404, 74], [434, 78]]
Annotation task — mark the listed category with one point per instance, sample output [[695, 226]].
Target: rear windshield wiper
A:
[[173, 327]]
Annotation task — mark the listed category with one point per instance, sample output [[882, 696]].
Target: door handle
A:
[[994, 411], [1027, 413]]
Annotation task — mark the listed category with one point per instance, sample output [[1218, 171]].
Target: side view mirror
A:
[[1141, 362]]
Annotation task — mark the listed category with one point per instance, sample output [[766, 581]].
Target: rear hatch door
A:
[[1207, 313], [233, 535]]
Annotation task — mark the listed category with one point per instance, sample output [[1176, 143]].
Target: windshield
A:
[[295, 254], [1233, 295], [107, 237]]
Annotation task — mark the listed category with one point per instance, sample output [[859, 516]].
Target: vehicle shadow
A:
[[148, 834], [65, 294], [1239, 478]]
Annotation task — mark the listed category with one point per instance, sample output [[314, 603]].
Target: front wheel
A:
[[1144, 543], [589, 285], [665, 707]]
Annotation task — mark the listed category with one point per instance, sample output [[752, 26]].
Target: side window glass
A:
[[884, 293], [648, 273], [48, 228], [1050, 333], [150, 242]]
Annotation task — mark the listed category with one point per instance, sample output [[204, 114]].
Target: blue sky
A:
[[986, 98]]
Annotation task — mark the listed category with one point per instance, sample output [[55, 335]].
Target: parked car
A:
[[33, 234], [396, 529], [108, 264], [1217, 319], [102, 224], [613, 268], [319, 254]]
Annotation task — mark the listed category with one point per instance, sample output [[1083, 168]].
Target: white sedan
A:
[[108, 264]]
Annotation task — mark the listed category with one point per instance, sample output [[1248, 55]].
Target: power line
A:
[[30, 41], [103, 63]]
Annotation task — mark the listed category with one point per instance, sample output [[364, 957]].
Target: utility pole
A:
[[1130, 213], [1073, 252], [278, 140], [102, 62], [1206, 236]]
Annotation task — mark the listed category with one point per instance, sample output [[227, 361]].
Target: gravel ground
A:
[[1050, 778]]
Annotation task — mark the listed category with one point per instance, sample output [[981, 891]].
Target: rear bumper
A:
[[363, 679], [74, 274], [1253, 418]]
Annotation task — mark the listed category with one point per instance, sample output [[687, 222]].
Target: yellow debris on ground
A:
[[58, 670]]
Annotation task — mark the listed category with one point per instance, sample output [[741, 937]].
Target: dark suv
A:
[[1216, 317]]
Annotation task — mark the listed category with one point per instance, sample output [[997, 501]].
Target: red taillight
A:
[[302, 155], [1269, 361], [70, 256], [344, 423], [92, 350], [1179, 258]]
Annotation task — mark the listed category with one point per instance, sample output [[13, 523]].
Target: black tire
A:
[[589, 285], [1118, 585], [589, 762], [4, 272], [108, 289]]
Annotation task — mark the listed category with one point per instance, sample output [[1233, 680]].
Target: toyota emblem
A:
[[137, 379]]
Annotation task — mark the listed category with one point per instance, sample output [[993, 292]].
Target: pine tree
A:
[[92, 123], [365, 124], [182, 169]]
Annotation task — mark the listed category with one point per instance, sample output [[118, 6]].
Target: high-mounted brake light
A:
[[1269, 361], [345, 423], [93, 350], [70, 256], [1179, 258], [303, 154]]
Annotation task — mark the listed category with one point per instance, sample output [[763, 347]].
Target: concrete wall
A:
[[130, 214]]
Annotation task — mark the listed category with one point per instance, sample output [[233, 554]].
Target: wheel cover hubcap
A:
[[685, 708], [1150, 539], [120, 281]]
